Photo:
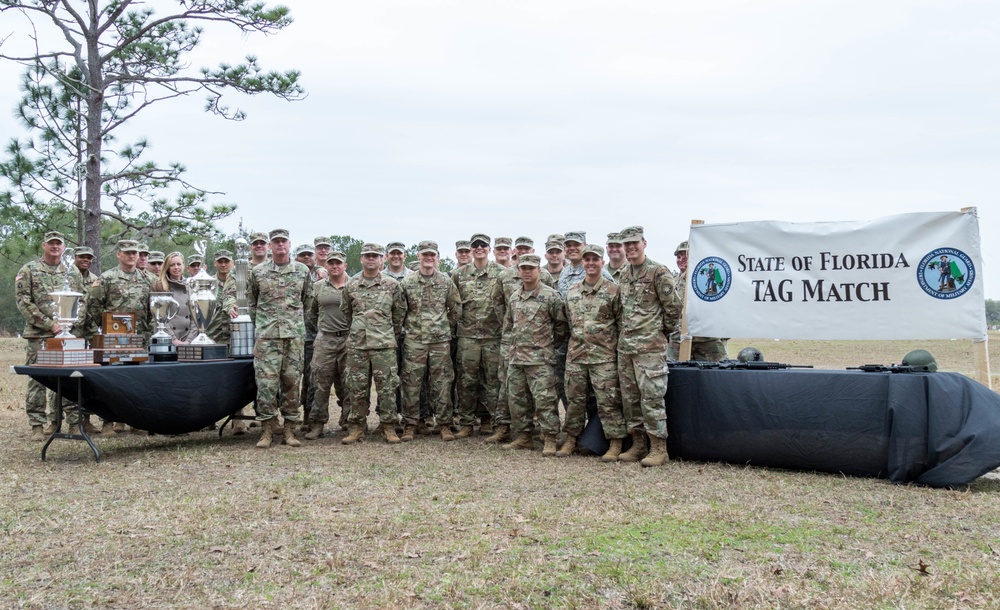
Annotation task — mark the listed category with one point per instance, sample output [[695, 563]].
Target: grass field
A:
[[197, 522]]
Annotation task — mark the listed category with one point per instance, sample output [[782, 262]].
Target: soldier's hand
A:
[[233, 313], [56, 328]]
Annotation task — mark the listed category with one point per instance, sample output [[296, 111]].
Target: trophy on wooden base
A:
[[241, 332], [65, 349], [202, 300], [163, 306]]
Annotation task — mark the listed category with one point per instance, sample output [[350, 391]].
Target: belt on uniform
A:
[[338, 333]]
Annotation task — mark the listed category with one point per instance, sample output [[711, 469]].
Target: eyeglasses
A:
[[480, 244]]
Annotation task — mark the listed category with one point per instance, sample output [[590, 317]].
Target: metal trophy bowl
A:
[[163, 307], [241, 336], [66, 302], [201, 299]]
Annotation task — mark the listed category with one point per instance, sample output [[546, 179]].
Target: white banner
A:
[[912, 276]]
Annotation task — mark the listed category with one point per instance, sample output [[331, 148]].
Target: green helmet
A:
[[920, 358], [750, 354]]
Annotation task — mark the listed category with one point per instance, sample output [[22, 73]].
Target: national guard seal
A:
[[946, 273], [711, 279]]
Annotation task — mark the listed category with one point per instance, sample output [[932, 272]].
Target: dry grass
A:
[[195, 522]]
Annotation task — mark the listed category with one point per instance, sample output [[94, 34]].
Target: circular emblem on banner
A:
[[711, 279], [946, 273]]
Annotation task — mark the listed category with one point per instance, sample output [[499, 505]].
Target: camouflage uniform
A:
[[650, 311], [374, 309], [278, 297], [593, 313], [329, 361], [432, 310], [120, 291], [616, 274], [478, 351], [538, 324], [219, 327], [32, 286], [708, 349]]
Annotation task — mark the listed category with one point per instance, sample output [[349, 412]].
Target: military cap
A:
[[258, 236], [127, 245], [524, 241], [579, 237], [556, 237], [195, 258], [54, 236], [681, 247], [396, 245], [336, 256], [322, 241], [593, 249], [462, 245], [413, 265], [222, 254], [633, 233], [427, 246], [529, 260], [371, 248], [155, 256], [303, 248], [554, 244], [143, 248], [502, 242], [277, 234], [84, 251], [614, 238], [480, 237]]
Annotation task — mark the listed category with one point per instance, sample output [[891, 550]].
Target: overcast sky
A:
[[438, 119]]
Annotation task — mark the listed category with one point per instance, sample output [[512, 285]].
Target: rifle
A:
[[761, 365], [890, 368]]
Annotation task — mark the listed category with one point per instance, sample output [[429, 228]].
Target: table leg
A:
[[82, 436]]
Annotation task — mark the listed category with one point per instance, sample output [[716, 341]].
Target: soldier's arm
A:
[[345, 304], [33, 314], [560, 323], [454, 306], [312, 314], [253, 296], [307, 298], [398, 312], [666, 292], [229, 295], [497, 296], [78, 285], [95, 307]]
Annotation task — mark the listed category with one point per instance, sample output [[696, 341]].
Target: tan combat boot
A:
[[567, 447], [289, 435], [447, 434], [614, 450], [409, 431], [49, 429], [37, 434], [118, 427], [486, 428], [108, 429], [266, 434], [500, 434], [549, 449], [638, 449], [389, 430], [464, 432], [355, 434], [522, 441], [90, 428], [657, 452], [239, 427], [315, 432]]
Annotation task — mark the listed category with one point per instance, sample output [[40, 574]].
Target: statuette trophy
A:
[[241, 333]]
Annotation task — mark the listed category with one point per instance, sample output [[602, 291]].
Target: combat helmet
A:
[[750, 354], [921, 359]]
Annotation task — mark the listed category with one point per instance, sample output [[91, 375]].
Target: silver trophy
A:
[[201, 298], [163, 306], [241, 332], [66, 302]]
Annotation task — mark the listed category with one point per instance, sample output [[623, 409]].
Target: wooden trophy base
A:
[[200, 353]]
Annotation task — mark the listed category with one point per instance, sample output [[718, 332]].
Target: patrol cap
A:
[[127, 245], [681, 247], [84, 251], [480, 237], [155, 256], [336, 256], [195, 258], [524, 241], [554, 244], [529, 260], [579, 237], [556, 237], [413, 265], [143, 248], [220, 255], [258, 236], [633, 233], [278, 234], [396, 245], [322, 241], [427, 246], [502, 242], [463, 245], [614, 238], [593, 249], [54, 236], [371, 248], [303, 248]]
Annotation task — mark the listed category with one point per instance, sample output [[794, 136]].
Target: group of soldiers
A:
[[497, 342]]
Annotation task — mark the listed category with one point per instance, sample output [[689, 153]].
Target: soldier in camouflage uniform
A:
[[708, 349], [32, 285], [195, 261], [463, 253], [155, 263], [616, 256], [537, 318], [501, 251], [329, 364], [323, 247], [305, 254], [593, 307], [650, 312], [83, 258], [555, 254], [278, 294], [374, 308], [432, 309], [218, 328], [142, 263], [478, 351]]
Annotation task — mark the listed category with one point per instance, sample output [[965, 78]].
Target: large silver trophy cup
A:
[[66, 302], [163, 306], [241, 332], [201, 299]]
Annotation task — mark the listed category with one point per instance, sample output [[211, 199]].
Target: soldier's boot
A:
[[521, 441], [614, 450], [49, 429], [89, 427], [355, 434], [119, 427], [657, 452], [289, 435], [464, 432], [315, 432], [567, 447], [500, 434], [409, 430], [389, 431], [239, 427], [266, 434], [486, 428], [549, 450], [638, 449], [108, 429], [37, 433], [447, 434]]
